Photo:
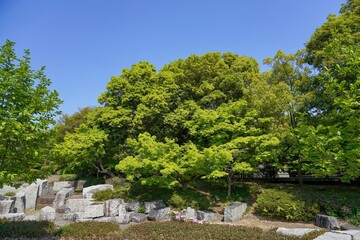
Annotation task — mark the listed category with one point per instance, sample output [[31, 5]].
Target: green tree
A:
[[84, 150], [332, 144], [27, 109], [68, 123]]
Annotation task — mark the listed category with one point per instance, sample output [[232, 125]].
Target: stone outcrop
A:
[[62, 184], [132, 206], [153, 204], [159, 214], [234, 212], [47, 213], [13, 216], [138, 217], [31, 194], [298, 232], [327, 222], [89, 191], [111, 207], [190, 213], [94, 211], [6, 206], [206, 216], [61, 195]]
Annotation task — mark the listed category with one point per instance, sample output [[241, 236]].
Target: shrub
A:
[[29, 229], [68, 177], [285, 205], [10, 194], [118, 192], [90, 230]]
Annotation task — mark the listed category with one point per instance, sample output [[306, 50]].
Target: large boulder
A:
[[334, 236], [31, 194], [124, 217], [111, 207], [6, 206], [190, 213], [133, 206], [159, 214], [89, 191], [44, 187], [153, 204], [138, 217], [61, 195], [327, 222], [76, 205], [298, 232], [94, 211], [206, 216], [20, 201], [62, 184], [234, 212], [47, 213]]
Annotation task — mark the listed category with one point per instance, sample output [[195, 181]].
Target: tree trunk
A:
[[300, 176], [229, 185]]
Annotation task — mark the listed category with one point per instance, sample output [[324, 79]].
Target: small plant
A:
[[178, 216], [10, 194], [141, 209], [68, 177]]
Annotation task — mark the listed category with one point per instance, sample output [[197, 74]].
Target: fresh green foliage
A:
[[118, 192], [9, 194], [28, 229], [280, 204], [68, 177], [27, 108]]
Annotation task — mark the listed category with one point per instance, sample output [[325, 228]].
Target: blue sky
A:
[[83, 43]]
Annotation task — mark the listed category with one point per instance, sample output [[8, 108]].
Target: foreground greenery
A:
[[148, 231]]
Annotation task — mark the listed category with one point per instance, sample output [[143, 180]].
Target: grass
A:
[[146, 231]]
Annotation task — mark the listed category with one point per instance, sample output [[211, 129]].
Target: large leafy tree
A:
[[27, 109]]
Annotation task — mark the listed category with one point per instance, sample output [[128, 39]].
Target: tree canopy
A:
[[27, 109]]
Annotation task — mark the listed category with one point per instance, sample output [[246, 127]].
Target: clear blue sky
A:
[[83, 43]]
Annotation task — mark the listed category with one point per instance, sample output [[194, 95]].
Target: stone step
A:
[[60, 209], [46, 199], [40, 206]]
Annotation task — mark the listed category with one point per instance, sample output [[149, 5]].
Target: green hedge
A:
[[283, 205]]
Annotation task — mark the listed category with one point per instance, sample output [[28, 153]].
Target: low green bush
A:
[[90, 230], [28, 229], [285, 205], [118, 192], [10, 194], [68, 177]]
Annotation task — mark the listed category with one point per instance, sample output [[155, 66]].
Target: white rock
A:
[[190, 213], [47, 213], [19, 205], [159, 214], [61, 195], [333, 236], [106, 219], [44, 187], [94, 211], [62, 184], [153, 204], [206, 216], [89, 191], [6, 206], [354, 233], [299, 232], [31, 193], [111, 207], [76, 205], [234, 212], [124, 218]]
